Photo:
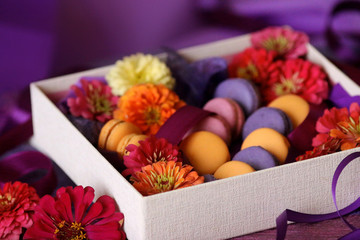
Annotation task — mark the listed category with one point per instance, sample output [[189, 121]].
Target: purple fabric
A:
[[289, 215], [15, 120], [340, 98], [180, 123], [301, 137], [18, 165], [77, 35]]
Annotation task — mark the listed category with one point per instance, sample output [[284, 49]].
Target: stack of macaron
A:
[[239, 117], [116, 135]]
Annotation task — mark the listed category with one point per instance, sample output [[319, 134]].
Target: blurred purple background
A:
[[45, 38]]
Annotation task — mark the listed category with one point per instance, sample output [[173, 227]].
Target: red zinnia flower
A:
[[17, 204], [93, 100], [329, 120], [329, 146], [339, 124], [54, 217], [165, 176], [150, 150], [251, 64], [296, 76]]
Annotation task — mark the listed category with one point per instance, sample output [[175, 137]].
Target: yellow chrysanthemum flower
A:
[[136, 69]]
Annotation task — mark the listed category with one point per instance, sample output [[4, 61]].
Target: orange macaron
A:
[[205, 151], [113, 132]]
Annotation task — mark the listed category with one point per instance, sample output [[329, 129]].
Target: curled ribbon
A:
[[289, 215], [20, 164]]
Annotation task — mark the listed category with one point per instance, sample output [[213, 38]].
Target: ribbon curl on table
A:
[[289, 215]]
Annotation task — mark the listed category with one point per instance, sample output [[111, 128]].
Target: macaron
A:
[[233, 168], [205, 151], [230, 111], [257, 157], [132, 138], [243, 91], [215, 124], [269, 139], [268, 117], [112, 133], [294, 106]]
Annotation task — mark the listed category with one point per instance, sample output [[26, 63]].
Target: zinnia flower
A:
[[165, 176], [296, 76], [71, 215], [329, 120], [286, 42], [329, 146], [339, 124], [93, 100], [251, 64], [148, 106], [136, 69], [17, 204], [149, 151]]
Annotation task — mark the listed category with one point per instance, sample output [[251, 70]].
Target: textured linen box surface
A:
[[216, 210]]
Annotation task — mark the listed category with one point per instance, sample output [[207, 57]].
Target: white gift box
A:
[[216, 210]]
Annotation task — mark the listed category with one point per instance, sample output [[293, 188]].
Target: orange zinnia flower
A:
[[165, 176], [148, 106]]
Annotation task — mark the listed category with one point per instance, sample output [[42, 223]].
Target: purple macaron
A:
[[243, 91], [257, 157], [267, 117]]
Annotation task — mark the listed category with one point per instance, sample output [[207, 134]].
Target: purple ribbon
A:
[[180, 123], [20, 164], [341, 98], [289, 215]]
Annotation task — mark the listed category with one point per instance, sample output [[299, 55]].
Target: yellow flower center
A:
[[279, 44], [67, 231], [6, 202], [248, 72], [288, 85], [152, 115], [164, 183]]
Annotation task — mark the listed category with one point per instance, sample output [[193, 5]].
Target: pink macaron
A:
[[230, 111], [215, 124]]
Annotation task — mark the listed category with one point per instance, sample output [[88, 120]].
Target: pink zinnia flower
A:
[[165, 176], [251, 64], [17, 204], [93, 100], [286, 42], [71, 215], [149, 151], [296, 76]]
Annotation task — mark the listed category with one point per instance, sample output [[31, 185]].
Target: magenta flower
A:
[[17, 204], [71, 215], [295, 76], [287, 43], [93, 100], [150, 151]]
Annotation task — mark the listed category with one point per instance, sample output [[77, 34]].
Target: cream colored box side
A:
[[60, 140], [250, 203]]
